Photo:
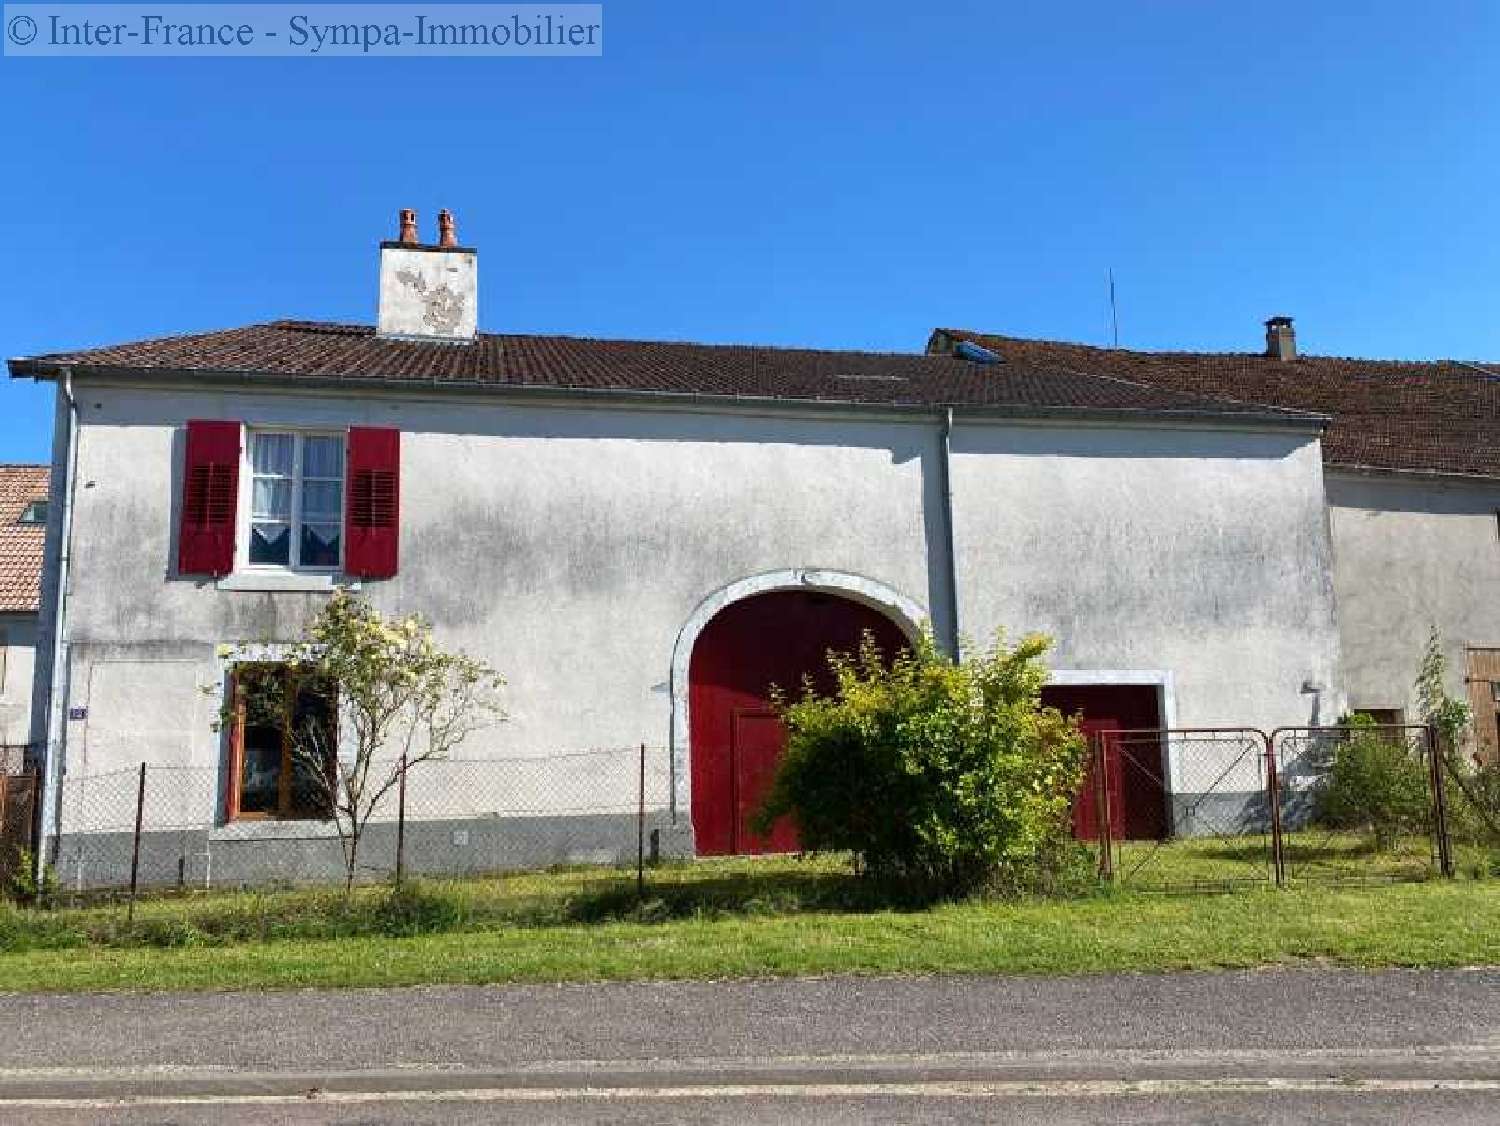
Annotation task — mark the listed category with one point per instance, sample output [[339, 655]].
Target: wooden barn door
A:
[[1124, 718], [1103, 739], [735, 738], [756, 747]]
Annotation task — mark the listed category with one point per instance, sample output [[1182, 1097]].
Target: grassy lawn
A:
[[1312, 855], [720, 919]]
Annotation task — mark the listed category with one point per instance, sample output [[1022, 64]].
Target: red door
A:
[[1102, 734], [758, 742], [1125, 718], [734, 738]]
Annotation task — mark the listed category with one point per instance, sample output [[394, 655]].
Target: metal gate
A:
[[1405, 837], [1211, 825], [1222, 807]]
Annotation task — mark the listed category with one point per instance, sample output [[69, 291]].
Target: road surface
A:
[[1274, 1046]]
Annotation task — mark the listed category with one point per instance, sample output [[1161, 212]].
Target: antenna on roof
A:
[[1114, 311]]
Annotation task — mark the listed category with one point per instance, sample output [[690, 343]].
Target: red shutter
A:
[[373, 513], [210, 489]]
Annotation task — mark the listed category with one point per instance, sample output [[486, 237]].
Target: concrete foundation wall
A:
[[216, 858], [1411, 553]]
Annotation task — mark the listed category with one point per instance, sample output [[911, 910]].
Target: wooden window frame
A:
[[284, 811]]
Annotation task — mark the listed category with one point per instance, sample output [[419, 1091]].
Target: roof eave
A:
[[44, 368]]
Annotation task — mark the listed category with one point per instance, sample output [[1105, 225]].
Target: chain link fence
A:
[[1222, 807], [20, 789], [1185, 809], [165, 826], [1360, 804]]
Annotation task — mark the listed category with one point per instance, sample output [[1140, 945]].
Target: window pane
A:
[[271, 499], [323, 457], [271, 453], [320, 545], [322, 500], [270, 543], [260, 778], [314, 732]]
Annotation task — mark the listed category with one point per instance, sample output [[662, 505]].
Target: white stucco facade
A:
[[573, 543], [17, 662], [1412, 552]]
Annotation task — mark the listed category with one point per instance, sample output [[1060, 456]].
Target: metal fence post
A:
[[640, 830], [401, 822], [1101, 808], [6, 862], [135, 851], [1273, 797], [1435, 755], [39, 862]]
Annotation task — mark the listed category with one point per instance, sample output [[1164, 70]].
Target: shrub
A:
[[1474, 802], [944, 776], [1374, 784], [21, 883]]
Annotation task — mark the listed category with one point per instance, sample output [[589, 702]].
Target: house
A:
[[23, 518], [643, 537], [1412, 475]]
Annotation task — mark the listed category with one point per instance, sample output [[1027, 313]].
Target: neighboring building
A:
[[23, 520], [643, 537], [1412, 471]]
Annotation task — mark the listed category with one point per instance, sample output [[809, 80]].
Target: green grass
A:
[[1312, 856], [721, 919]]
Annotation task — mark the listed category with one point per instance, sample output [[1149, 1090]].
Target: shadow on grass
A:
[[563, 898], [740, 894]]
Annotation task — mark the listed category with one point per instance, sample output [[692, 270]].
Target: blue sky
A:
[[829, 174]]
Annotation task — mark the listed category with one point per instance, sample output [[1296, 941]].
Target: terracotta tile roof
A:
[[20, 544], [352, 354], [1435, 416]]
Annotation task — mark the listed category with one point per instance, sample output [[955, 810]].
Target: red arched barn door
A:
[[735, 739]]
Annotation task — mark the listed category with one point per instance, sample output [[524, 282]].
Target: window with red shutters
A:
[[210, 489], [372, 519]]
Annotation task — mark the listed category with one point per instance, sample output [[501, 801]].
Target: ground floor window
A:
[[283, 742]]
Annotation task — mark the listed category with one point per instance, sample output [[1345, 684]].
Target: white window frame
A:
[[245, 517]]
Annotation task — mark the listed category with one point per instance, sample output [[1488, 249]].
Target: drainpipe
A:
[[57, 699], [950, 563]]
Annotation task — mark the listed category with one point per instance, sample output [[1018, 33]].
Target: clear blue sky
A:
[[830, 174]]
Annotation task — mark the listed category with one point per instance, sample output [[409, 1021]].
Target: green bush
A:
[[943, 777], [1374, 784], [1474, 802]]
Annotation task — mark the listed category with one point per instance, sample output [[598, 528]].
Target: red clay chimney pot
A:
[[447, 233], [408, 226]]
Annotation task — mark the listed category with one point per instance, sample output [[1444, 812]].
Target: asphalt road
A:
[[1282, 1046]]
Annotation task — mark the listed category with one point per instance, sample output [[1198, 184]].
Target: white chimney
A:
[[429, 292]]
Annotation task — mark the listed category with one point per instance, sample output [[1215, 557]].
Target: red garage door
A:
[[735, 737], [1137, 795]]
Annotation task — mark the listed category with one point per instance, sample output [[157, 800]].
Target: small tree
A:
[[942, 775], [1477, 810], [1448, 715], [400, 701]]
